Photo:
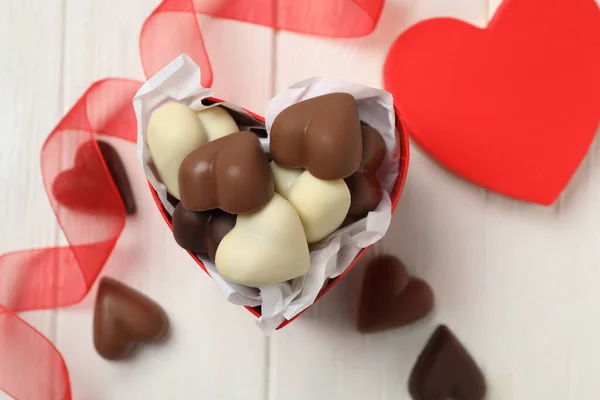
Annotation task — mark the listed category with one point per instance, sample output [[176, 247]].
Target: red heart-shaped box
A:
[[402, 148]]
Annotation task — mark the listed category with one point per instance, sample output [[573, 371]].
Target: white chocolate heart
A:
[[284, 178], [322, 205], [265, 247], [173, 132], [216, 122]]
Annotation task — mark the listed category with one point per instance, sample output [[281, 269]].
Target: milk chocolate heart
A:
[[230, 173], [201, 231], [445, 370], [124, 317], [265, 247], [322, 205], [321, 134], [390, 298], [173, 132], [365, 190], [86, 187]]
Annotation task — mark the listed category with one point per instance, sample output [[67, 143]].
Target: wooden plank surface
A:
[[540, 299], [214, 348], [516, 282], [29, 109], [423, 234]]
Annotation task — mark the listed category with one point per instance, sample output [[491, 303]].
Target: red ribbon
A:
[[173, 27], [83, 196]]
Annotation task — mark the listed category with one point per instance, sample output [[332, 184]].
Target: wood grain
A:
[[428, 228], [516, 282], [29, 109], [208, 333]]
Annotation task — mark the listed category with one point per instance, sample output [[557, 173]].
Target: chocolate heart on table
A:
[[445, 370], [365, 190], [390, 298], [321, 135], [230, 173], [513, 107], [201, 231], [322, 205], [119, 175], [86, 187], [123, 317], [265, 247]]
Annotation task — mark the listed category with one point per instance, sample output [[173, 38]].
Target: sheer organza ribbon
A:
[[82, 194]]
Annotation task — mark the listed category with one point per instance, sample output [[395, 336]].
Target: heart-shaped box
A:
[[401, 142]]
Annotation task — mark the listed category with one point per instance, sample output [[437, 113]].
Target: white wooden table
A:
[[518, 283]]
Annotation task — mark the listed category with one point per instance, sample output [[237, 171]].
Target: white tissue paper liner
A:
[[180, 81]]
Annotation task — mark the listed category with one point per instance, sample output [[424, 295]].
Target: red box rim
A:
[[402, 141]]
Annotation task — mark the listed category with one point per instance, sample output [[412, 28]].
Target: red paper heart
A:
[[513, 107]]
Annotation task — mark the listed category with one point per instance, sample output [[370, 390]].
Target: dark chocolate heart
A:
[[201, 231], [231, 173], [445, 370], [321, 135], [365, 190], [390, 298], [119, 175], [123, 317], [86, 187]]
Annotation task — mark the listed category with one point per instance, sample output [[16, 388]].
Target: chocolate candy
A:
[[119, 175], [321, 134], [230, 173], [216, 122], [365, 190], [201, 231], [124, 317], [322, 205], [349, 220], [445, 370], [84, 187], [390, 298], [173, 132], [265, 247]]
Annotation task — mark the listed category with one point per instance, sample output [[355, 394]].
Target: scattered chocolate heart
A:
[[390, 298], [119, 175], [365, 191], [321, 135], [123, 317], [230, 173], [201, 231], [445, 370], [85, 187]]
